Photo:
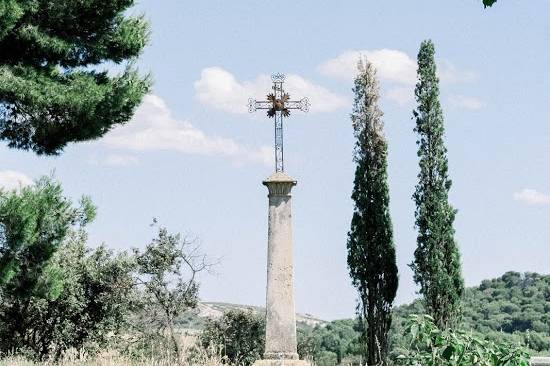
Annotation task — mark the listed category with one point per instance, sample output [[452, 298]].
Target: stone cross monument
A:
[[280, 332]]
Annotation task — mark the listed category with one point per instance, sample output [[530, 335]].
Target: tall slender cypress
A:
[[371, 252], [436, 262]]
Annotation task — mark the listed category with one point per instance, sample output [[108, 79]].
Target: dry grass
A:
[[106, 360], [109, 358], [112, 361]]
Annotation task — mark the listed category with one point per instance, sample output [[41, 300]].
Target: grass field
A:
[[112, 358], [115, 360]]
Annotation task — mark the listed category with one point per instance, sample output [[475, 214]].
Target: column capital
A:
[[279, 184]]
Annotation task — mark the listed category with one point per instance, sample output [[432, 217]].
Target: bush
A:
[[433, 347], [54, 293], [166, 272], [240, 335], [91, 306]]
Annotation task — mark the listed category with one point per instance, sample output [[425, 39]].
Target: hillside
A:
[[515, 307]]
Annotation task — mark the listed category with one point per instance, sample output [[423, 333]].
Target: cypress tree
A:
[[371, 252], [52, 89], [436, 262]]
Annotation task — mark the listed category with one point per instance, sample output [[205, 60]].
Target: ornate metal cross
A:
[[278, 105]]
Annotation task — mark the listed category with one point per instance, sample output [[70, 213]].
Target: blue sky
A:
[[194, 157]]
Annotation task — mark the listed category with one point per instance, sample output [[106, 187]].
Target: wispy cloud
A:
[[219, 89], [449, 73], [121, 160], [117, 160], [465, 102], [10, 179], [153, 127], [532, 197]]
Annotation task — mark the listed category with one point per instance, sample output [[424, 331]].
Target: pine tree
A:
[[51, 90], [436, 262], [488, 3], [371, 252]]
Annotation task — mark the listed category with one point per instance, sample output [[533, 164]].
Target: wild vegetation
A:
[[512, 310], [58, 294], [63, 301], [239, 335], [431, 346], [77, 301]]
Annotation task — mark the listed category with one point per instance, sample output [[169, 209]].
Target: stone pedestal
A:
[[281, 363], [280, 332]]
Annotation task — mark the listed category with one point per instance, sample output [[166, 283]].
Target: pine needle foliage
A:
[[436, 264], [51, 89], [488, 3], [371, 251]]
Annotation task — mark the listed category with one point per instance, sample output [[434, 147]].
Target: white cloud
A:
[[10, 180], [465, 102], [391, 65], [154, 128], [532, 197], [218, 88]]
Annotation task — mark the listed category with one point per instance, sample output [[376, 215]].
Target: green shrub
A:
[[431, 346], [55, 293], [240, 335]]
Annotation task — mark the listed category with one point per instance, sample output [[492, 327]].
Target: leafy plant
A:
[[431, 346], [33, 223], [55, 293], [239, 335], [166, 277], [338, 342]]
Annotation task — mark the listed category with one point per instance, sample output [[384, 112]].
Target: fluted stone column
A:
[[280, 333]]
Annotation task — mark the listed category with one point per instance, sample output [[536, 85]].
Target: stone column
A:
[[280, 333]]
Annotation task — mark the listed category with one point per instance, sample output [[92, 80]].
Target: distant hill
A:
[[514, 307], [213, 310]]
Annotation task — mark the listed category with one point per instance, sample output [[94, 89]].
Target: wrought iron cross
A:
[[278, 105]]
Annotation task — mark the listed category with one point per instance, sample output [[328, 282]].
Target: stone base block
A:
[[281, 363]]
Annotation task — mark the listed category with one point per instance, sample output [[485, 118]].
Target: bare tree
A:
[[167, 274]]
